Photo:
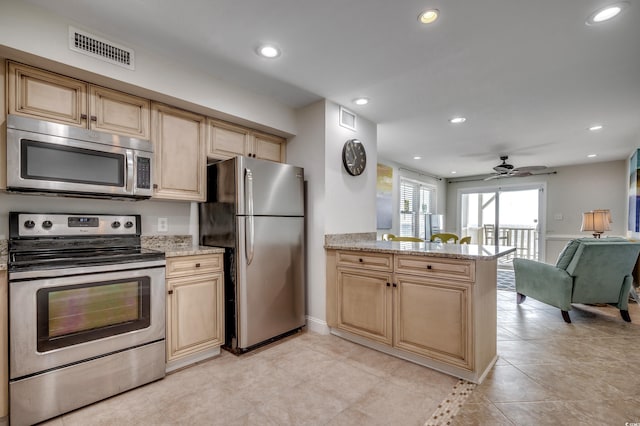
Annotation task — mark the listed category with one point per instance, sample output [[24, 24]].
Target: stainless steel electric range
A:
[[86, 311]]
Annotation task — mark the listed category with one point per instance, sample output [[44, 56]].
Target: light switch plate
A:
[[558, 216]]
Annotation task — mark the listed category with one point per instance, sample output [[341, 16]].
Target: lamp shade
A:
[[596, 221]]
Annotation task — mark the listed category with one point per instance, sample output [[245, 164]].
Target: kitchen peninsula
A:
[[430, 303]]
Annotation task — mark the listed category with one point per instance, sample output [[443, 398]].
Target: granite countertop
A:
[[3, 263], [454, 251], [177, 245], [176, 252]]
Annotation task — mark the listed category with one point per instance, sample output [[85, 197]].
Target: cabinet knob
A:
[[94, 118], [155, 186], [360, 260], [170, 292], [197, 265], [83, 116], [395, 285], [428, 266], [388, 284]]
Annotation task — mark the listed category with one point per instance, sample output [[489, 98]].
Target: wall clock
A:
[[354, 157]]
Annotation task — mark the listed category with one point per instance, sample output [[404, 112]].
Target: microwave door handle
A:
[[249, 230], [129, 172]]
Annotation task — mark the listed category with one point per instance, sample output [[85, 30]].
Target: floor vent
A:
[[100, 48]]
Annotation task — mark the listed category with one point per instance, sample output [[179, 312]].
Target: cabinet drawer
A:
[[463, 270], [379, 262], [190, 265]]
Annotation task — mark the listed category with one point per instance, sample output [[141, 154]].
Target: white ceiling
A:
[[529, 76]]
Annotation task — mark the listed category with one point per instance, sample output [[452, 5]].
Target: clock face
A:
[[354, 157]]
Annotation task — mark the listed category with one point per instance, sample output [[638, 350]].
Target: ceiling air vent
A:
[[100, 48]]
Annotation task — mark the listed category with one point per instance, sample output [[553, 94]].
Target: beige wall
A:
[[573, 190], [336, 201]]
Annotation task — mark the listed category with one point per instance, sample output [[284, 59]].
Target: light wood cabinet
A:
[[195, 308], [178, 139], [40, 94], [435, 311], [226, 140], [365, 303], [4, 345], [432, 319]]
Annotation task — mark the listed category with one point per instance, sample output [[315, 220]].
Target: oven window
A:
[[69, 315], [47, 161]]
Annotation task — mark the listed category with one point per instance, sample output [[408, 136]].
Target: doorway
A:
[[505, 216]]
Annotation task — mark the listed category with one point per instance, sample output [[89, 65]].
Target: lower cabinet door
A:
[[432, 318], [365, 303], [194, 314]]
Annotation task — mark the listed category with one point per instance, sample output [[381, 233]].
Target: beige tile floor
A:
[[308, 379], [554, 373], [549, 372]]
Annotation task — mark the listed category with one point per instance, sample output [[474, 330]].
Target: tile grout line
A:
[[450, 406]]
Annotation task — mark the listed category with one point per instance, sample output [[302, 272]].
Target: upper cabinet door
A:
[[116, 112], [226, 140], [269, 147], [179, 150], [51, 97]]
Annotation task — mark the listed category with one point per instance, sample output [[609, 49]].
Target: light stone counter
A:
[[177, 245], [193, 251], [452, 251], [3, 255]]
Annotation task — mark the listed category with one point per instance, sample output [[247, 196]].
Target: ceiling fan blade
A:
[[492, 177], [520, 173], [529, 169]]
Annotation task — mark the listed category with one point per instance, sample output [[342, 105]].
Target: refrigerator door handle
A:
[[248, 234]]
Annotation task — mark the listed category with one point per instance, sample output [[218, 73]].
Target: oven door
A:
[[59, 321]]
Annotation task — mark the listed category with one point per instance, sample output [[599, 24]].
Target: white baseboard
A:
[[317, 325]]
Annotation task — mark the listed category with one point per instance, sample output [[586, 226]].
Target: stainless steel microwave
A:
[[47, 157]]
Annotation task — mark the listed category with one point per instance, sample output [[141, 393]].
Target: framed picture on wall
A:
[[634, 193], [384, 195]]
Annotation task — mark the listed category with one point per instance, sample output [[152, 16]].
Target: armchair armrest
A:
[[544, 282]]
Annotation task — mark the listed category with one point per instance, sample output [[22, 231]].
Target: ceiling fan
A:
[[507, 170]]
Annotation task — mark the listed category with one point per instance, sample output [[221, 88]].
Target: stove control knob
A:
[[47, 224], [115, 224], [128, 224], [29, 224]]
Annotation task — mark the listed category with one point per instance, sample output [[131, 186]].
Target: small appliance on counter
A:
[[86, 311], [255, 209]]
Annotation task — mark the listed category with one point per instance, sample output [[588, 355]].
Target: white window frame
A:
[[410, 210]]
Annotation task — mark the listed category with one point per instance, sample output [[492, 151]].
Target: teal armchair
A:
[[588, 270]]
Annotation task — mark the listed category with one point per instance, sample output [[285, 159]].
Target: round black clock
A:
[[354, 157]]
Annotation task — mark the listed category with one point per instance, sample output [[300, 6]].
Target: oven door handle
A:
[[248, 231], [129, 172]]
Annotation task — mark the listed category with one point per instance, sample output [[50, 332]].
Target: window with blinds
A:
[[416, 200]]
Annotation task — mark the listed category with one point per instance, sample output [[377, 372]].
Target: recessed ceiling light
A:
[[592, 155], [361, 101], [606, 13], [596, 127], [457, 120], [453, 172], [429, 16], [268, 51], [417, 157]]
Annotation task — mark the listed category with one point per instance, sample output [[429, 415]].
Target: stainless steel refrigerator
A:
[[255, 209]]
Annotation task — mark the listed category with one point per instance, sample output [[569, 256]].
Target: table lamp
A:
[[596, 221]]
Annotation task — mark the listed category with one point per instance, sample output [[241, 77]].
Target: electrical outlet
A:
[[558, 216], [163, 224]]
